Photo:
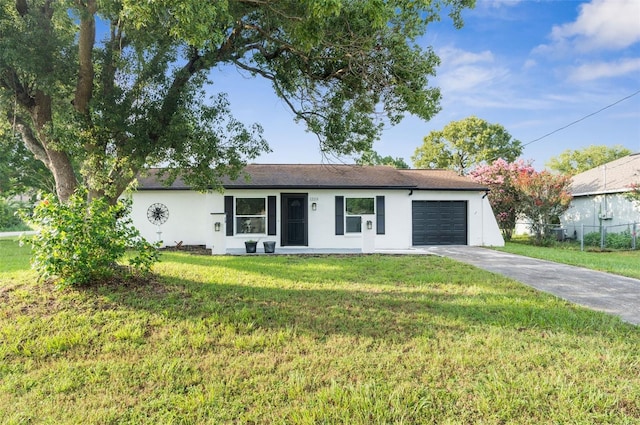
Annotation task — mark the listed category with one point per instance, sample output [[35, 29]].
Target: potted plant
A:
[[269, 247], [250, 246]]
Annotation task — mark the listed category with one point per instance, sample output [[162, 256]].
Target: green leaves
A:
[[80, 242], [342, 67], [543, 198], [374, 158], [505, 195], [345, 68], [634, 193], [518, 190], [464, 144], [100, 106], [572, 162]]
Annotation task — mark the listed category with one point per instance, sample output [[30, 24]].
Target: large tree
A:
[[101, 89], [572, 162], [464, 144]]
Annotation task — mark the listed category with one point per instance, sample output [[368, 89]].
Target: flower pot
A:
[[250, 246], [269, 247]]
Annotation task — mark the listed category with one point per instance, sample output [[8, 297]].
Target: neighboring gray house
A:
[[598, 198], [319, 206]]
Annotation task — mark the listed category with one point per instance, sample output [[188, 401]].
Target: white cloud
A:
[[497, 3], [594, 71], [465, 71], [600, 25], [466, 78], [452, 56]]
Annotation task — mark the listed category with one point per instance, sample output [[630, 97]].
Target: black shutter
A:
[[380, 215], [271, 215], [339, 215], [228, 210]]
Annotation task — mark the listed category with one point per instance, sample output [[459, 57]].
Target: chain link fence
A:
[[602, 237]]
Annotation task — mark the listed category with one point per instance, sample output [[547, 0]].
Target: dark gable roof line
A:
[[323, 176]]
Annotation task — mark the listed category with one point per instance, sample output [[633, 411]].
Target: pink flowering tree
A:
[[543, 198], [501, 177], [634, 193]]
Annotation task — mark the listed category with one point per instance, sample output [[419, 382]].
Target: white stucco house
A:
[[319, 206], [598, 198]]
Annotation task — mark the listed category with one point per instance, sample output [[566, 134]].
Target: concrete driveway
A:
[[606, 292]]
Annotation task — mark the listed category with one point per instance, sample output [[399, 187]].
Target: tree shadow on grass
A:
[[390, 314]]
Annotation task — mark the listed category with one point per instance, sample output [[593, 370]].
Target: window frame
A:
[[348, 215], [263, 216]]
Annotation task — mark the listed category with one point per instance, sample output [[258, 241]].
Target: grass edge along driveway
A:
[[623, 263]]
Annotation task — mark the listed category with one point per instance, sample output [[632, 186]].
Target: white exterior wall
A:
[[189, 218], [191, 222], [491, 234], [586, 210]]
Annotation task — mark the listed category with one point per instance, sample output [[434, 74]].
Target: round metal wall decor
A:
[[158, 213]]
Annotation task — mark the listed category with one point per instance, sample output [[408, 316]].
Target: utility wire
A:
[[582, 119]]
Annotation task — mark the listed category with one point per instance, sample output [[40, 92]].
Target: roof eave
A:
[[289, 187], [600, 192]]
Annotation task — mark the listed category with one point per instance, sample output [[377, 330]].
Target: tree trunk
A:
[[33, 120], [86, 39], [59, 163]]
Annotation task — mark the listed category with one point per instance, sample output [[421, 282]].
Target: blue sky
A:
[[531, 66]]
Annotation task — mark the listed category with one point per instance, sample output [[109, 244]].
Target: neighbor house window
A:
[[251, 215], [354, 209]]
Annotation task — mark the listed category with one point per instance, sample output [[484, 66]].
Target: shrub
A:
[[591, 239], [79, 242], [621, 240]]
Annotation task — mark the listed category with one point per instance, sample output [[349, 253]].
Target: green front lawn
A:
[[307, 340], [625, 263]]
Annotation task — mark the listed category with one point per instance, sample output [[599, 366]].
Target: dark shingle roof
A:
[[329, 176], [613, 177]]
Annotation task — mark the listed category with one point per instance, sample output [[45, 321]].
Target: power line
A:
[[583, 118]]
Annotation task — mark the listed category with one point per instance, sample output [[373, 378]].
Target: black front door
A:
[[294, 219]]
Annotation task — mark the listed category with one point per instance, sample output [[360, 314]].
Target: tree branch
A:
[[12, 83], [170, 104], [22, 7], [86, 41], [29, 139]]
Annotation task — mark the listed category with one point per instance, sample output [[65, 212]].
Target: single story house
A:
[[598, 198], [319, 206]]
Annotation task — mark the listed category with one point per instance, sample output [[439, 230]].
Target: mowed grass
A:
[[308, 340], [624, 263]]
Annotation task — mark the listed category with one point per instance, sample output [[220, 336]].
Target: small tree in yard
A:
[[502, 178], [543, 198], [79, 242]]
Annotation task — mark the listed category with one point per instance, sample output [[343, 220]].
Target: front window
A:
[[355, 208], [250, 215]]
